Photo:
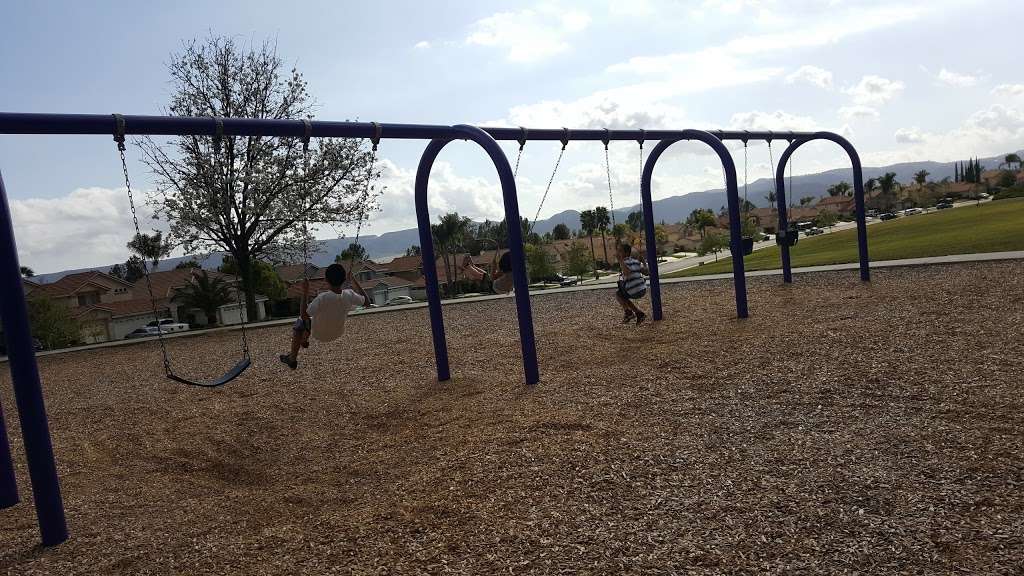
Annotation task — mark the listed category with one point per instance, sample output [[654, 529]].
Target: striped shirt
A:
[[633, 283]]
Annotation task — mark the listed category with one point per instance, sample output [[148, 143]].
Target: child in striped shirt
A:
[[632, 284]]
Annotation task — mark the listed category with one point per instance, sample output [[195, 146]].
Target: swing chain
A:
[[608, 172], [365, 196], [551, 180], [307, 133], [119, 133], [519, 156]]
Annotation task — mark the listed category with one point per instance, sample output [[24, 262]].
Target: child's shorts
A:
[[637, 296], [301, 325]]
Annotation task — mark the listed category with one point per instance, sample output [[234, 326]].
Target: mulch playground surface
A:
[[843, 428]]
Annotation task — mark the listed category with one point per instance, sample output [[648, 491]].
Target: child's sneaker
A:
[[287, 360], [627, 317], [640, 317]]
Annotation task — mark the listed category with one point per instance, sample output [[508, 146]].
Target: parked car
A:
[[143, 332], [399, 300], [804, 226], [943, 205], [983, 196], [560, 280], [889, 216], [167, 326], [814, 232], [766, 237], [912, 211]]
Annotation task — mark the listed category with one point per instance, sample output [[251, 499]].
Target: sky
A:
[[904, 81]]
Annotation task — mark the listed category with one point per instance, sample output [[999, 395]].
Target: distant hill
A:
[[672, 209]]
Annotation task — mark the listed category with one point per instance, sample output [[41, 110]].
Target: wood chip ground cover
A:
[[844, 428]]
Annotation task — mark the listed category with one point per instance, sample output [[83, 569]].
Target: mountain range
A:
[[671, 209]]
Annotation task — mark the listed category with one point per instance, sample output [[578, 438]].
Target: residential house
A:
[[167, 283], [106, 307]]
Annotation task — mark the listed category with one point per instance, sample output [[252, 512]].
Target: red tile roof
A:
[[293, 272], [72, 283], [136, 307]]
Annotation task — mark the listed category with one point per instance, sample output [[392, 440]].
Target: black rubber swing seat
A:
[[228, 376]]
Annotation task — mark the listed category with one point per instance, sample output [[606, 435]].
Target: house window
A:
[[88, 298]]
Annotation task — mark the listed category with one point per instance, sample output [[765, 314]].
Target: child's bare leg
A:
[[297, 340], [627, 304]]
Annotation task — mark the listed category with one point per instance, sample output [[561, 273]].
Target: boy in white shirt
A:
[[330, 309]]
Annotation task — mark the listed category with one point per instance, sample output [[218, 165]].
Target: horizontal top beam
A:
[[19, 123]]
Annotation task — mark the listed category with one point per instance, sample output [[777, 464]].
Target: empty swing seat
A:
[[228, 376]]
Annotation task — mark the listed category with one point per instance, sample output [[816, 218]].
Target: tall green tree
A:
[[588, 223], [188, 264], [449, 233], [53, 324], [265, 279], [250, 196], [353, 253], [1012, 159], [701, 219], [205, 293], [921, 177], [577, 261], [150, 247], [603, 220], [771, 197], [413, 250], [841, 189], [888, 186], [635, 220], [27, 272], [560, 232], [539, 263]]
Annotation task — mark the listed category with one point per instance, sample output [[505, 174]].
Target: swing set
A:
[[13, 308]]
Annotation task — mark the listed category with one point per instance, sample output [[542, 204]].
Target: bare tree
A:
[[251, 196]]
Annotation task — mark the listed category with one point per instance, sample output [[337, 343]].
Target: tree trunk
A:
[[244, 264], [447, 272], [593, 256], [605, 244]]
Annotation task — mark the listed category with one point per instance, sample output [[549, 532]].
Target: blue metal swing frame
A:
[[13, 310]]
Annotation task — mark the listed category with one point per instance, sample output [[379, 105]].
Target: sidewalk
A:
[[954, 259]]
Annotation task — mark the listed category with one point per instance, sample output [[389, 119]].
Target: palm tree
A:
[[840, 189], [150, 247], [888, 186], [206, 293], [1012, 159], [448, 235], [603, 220], [27, 272], [771, 197], [588, 222], [921, 177], [619, 232]]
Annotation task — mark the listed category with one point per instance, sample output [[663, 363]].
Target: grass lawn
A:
[[990, 227]]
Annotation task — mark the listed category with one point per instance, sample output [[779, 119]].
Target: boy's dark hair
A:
[[335, 275], [626, 248], [505, 262]]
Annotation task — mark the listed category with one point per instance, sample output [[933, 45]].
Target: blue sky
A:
[[903, 80]]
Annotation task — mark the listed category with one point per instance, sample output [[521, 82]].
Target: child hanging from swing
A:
[[632, 284], [325, 316], [501, 282]]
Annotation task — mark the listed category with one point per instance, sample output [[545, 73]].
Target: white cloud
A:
[[88, 227], [1008, 90], [422, 45], [812, 75], [529, 35], [989, 131], [778, 121], [951, 78], [858, 111], [875, 90], [909, 136]]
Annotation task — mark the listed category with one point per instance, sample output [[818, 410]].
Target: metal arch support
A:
[[515, 233], [858, 196], [8, 483], [28, 392], [735, 227]]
